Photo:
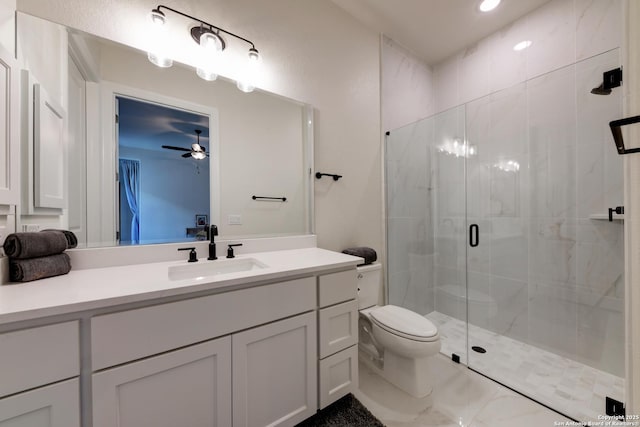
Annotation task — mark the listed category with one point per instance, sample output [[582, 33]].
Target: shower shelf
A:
[[605, 217]]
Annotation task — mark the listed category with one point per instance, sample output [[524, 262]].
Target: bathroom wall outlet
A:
[[30, 227], [235, 219]]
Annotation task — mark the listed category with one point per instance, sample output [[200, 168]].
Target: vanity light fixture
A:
[[488, 5], [211, 42]]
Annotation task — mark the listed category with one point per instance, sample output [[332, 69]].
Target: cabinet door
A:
[[56, 405], [10, 125], [275, 373], [187, 387]]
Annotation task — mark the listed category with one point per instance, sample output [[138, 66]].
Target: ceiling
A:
[[148, 126], [435, 29]]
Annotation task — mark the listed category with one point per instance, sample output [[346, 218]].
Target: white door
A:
[[275, 373], [187, 387], [9, 128], [77, 153], [56, 405]]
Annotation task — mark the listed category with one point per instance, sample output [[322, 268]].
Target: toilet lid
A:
[[405, 323]]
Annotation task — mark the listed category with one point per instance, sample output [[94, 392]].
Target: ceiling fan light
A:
[[198, 155]]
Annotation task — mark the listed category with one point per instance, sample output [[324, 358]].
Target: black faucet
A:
[[230, 250], [193, 256], [212, 244]]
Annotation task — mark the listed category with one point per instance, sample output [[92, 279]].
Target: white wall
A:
[[335, 69]]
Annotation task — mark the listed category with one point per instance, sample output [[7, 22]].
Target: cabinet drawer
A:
[[133, 334], [338, 375], [337, 287], [38, 356], [338, 327]]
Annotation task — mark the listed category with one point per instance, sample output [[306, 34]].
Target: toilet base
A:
[[408, 374]]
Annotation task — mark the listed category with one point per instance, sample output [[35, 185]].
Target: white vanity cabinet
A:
[[165, 391], [38, 377], [274, 373], [181, 362], [338, 335]]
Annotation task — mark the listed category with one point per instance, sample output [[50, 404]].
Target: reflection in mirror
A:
[[257, 144], [163, 179]]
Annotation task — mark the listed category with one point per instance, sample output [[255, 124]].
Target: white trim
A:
[[631, 87]]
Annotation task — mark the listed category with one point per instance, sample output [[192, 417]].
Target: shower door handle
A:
[[474, 238]]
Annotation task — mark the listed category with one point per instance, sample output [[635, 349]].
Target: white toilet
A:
[[393, 341]]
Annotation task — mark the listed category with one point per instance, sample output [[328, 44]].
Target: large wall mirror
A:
[[150, 155]]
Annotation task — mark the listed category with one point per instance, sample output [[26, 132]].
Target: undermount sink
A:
[[214, 268]]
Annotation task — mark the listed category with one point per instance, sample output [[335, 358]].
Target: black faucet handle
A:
[[214, 230], [193, 256], [230, 253]]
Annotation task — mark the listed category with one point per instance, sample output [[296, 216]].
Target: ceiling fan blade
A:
[[186, 155], [170, 147]]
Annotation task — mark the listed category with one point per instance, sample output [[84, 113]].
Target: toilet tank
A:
[[369, 285]]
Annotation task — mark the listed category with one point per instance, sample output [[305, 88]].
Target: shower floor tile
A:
[[565, 385]]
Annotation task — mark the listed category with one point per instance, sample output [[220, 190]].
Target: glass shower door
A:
[[545, 288], [426, 228]]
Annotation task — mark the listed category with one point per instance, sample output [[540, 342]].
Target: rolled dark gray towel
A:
[[27, 270], [72, 240], [368, 254], [34, 245]]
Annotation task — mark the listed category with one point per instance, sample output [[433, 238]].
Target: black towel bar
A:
[[617, 134], [334, 176], [284, 199]]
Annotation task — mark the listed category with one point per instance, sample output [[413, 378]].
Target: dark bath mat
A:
[[346, 412]]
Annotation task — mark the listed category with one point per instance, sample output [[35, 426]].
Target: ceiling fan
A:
[[197, 151]]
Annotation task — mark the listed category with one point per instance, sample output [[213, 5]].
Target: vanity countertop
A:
[[103, 287]]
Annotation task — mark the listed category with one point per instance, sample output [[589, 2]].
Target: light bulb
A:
[[157, 17], [198, 155], [246, 82], [210, 47], [158, 43]]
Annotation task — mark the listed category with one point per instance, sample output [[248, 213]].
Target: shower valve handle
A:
[[619, 210]]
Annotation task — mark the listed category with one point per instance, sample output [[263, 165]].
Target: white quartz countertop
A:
[[104, 287]]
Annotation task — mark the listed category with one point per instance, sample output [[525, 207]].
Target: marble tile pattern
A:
[[460, 398], [561, 32], [552, 273], [564, 384], [407, 87]]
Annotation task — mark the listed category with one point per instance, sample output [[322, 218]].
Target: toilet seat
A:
[[404, 323]]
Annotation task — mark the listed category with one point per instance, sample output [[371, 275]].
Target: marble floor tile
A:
[[461, 398]]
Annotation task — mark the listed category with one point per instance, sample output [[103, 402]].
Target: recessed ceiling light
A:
[[522, 45], [488, 5]]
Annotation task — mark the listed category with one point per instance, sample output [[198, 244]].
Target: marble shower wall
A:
[[562, 33]]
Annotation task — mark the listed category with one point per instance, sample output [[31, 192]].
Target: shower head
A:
[[600, 90], [610, 79]]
